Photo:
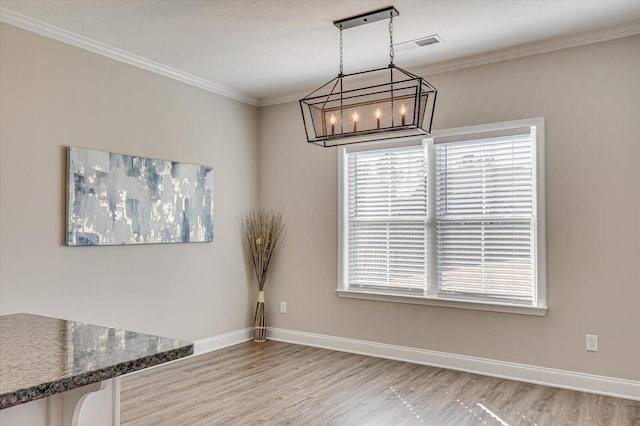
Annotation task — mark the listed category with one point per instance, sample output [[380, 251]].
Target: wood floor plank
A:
[[277, 383]]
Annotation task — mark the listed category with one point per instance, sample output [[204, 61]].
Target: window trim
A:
[[537, 126]]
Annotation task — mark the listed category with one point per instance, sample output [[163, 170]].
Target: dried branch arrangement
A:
[[263, 231]]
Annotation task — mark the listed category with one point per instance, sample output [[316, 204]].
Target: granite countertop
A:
[[41, 356]]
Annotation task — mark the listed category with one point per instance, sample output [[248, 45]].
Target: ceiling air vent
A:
[[419, 42], [428, 40]]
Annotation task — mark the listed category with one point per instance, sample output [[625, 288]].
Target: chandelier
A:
[[379, 104]]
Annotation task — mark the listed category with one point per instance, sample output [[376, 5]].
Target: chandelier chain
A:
[[341, 51], [391, 53]]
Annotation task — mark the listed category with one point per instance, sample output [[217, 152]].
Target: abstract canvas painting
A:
[[115, 199]]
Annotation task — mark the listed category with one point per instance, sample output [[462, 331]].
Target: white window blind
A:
[[454, 220], [485, 219], [387, 210]]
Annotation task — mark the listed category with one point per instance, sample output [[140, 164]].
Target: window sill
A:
[[446, 303]]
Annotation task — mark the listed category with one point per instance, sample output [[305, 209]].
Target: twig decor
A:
[[263, 231]]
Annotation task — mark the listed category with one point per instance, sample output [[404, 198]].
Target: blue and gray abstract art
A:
[[115, 199]]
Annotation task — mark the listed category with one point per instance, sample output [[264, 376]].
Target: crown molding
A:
[[68, 37], [558, 43], [282, 99], [545, 46]]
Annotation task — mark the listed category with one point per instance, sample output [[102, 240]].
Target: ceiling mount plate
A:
[[366, 18]]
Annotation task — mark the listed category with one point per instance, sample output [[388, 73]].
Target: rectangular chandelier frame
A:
[[394, 104]]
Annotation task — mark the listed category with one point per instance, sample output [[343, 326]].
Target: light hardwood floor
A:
[[277, 383]]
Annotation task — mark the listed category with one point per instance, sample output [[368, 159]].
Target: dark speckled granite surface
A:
[[42, 356]]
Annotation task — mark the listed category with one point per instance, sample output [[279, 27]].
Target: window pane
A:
[[488, 176], [388, 183], [387, 207], [387, 255], [484, 219], [486, 258]]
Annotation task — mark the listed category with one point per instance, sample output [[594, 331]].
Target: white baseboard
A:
[[222, 341], [620, 388]]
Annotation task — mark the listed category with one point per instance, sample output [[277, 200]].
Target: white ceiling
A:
[[269, 49]]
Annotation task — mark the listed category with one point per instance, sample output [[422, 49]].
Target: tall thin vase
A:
[[259, 322]]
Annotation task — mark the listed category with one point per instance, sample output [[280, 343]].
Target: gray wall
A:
[[589, 96], [53, 95]]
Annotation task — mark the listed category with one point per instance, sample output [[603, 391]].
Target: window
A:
[[453, 220]]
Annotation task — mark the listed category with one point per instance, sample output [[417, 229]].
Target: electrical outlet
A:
[[283, 307], [592, 342]]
